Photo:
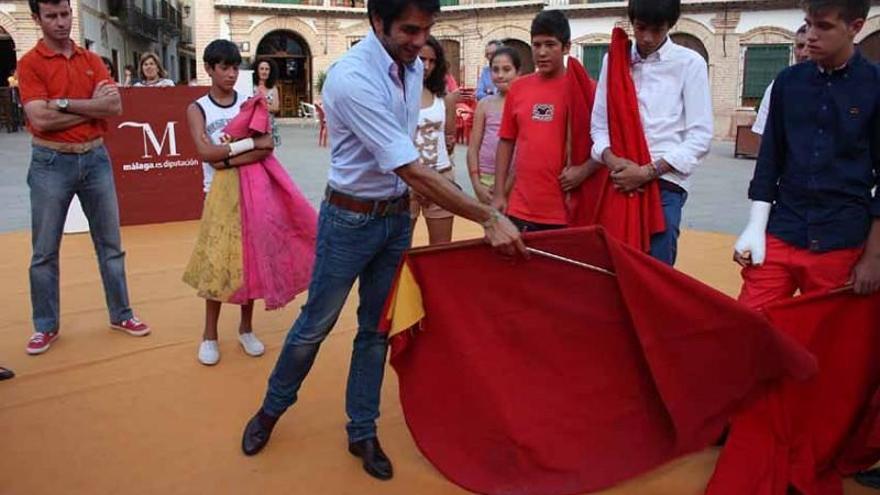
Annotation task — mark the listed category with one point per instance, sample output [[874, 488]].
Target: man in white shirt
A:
[[801, 54], [675, 104]]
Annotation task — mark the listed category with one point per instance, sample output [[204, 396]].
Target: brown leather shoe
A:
[[376, 463]]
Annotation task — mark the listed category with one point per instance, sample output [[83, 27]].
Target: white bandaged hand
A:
[[753, 240], [238, 147]]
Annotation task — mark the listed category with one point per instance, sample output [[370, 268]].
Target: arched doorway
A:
[[870, 47], [452, 49], [294, 59], [7, 57], [692, 42], [525, 54]]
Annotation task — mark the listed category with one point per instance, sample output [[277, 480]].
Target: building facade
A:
[[745, 42], [120, 30]]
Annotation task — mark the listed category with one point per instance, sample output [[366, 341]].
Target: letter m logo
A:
[[150, 138]]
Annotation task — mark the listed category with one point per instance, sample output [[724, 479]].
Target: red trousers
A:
[[788, 269]]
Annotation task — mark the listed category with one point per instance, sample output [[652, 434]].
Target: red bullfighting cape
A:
[[809, 434], [630, 217], [582, 92], [540, 377]]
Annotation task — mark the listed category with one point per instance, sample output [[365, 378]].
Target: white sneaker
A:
[[251, 344], [209, 352]]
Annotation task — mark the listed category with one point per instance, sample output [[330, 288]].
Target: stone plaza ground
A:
[[717, 202]]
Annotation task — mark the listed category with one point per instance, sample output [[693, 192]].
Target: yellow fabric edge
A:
[[406, 307]]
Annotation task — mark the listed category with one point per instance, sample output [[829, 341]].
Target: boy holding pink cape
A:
[[257, 234]]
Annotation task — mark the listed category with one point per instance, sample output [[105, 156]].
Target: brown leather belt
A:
[[74, 148], [381, 208]]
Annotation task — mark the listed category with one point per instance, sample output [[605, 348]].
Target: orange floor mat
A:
[[105, 413]]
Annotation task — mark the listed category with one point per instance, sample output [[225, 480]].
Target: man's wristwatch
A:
[[62, 104]]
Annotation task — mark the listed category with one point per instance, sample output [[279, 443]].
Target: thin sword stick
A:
[[845, 288], [570, 261]]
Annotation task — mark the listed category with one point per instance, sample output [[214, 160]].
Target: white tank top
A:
[[216, 118], [431, 136]]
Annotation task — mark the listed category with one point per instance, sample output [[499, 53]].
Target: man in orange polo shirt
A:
[[67, 93]]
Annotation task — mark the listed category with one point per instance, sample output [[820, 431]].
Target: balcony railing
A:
[[135, 19], [186, 35], [351, 4], [296, 2], [170, 18]]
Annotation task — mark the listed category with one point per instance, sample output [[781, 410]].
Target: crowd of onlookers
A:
[[149, 74]]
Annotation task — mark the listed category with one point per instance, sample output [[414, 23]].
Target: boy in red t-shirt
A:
[[536, 116]]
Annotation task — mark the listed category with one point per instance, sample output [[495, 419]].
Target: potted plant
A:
[[319, 83]]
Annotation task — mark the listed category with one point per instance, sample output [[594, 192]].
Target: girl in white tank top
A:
[[431, 136], [436, 128]]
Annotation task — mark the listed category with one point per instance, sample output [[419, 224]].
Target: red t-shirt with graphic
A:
[[535, 117]]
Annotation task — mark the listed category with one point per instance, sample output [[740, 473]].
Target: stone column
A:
[[473, 45], [240, 25], [725, 76], [26, 31], [206, 28]]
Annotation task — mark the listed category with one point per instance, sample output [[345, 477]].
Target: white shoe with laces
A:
[[251, 344], [209, 352]]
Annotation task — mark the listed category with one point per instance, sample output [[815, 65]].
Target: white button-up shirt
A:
[[675, 105], [763, 111], [371, 120]]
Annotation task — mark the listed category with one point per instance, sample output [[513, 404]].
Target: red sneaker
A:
[[132, 326], [40, 342]]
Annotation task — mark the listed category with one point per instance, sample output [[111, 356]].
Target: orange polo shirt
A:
[[45, 75]]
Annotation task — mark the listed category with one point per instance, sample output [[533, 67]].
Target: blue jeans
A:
[[54, 178], [349, 246], [664, 246]]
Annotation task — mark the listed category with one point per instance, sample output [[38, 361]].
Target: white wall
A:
[[790, 19], [592, 25], [704, 18]]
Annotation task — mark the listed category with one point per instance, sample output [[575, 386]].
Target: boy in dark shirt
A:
[[814, 215]]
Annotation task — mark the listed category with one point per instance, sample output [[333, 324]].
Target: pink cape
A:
[[278, 225]]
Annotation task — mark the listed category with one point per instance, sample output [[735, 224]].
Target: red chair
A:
[[322, 129], [464, 122]]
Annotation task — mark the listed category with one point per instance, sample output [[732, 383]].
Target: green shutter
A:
[[591, 57], [446, 3], [763, 64]]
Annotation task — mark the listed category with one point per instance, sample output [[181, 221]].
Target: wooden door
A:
[[289, 100]]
